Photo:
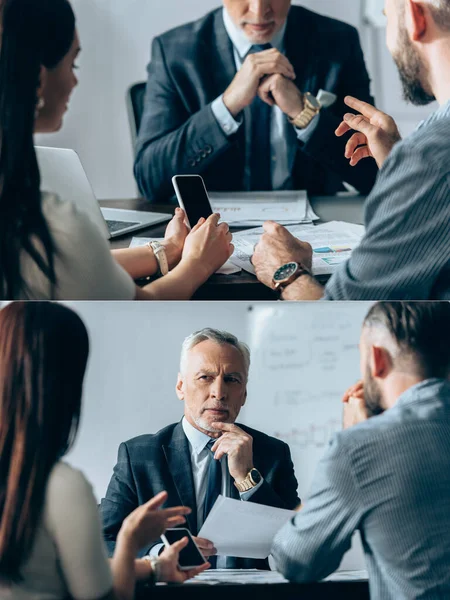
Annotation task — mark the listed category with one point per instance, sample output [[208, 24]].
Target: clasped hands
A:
[[269, 75]]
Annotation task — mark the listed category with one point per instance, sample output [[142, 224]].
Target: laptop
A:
[[63, 174]]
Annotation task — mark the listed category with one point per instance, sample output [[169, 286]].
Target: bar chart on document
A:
[[302, 363]]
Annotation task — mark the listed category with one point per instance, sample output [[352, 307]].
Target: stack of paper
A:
[[238, 576], [242, 209], [227, 269], [332, 244]]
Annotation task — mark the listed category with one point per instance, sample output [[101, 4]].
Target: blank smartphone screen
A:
[[189, 556], [195, 198]]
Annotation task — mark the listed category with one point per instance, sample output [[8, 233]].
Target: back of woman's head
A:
[[43, 354], [34, 34]]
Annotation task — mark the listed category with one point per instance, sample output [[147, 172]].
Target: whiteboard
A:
[[304, 357]]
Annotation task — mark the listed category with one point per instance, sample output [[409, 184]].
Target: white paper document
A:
[[332, 244], [237, 576], [243, 529], [227, 269], [253, 208]]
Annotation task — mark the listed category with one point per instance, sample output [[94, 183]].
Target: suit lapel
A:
[[302, 49], [179, 462], [222, 73]]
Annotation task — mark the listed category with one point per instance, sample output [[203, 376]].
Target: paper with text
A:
[[332, 244], [253, 208]]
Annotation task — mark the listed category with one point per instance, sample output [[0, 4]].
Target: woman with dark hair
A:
[[51, 545], [48, 249]]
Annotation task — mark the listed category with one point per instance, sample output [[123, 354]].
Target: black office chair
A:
[[135, 108]]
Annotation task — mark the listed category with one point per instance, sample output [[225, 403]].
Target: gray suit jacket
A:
[[193, 64], [149, 464], [389, 478]]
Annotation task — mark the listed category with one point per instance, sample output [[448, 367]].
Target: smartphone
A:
[[190, 556], [192, 197]]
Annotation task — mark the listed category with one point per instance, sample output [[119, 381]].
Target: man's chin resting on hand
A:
[[278, 247]]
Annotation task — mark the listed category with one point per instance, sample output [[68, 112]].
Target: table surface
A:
[[327, 590], [243, 285]]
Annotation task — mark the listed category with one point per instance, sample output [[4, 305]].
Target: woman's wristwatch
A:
[[161, 257], [155, 572]]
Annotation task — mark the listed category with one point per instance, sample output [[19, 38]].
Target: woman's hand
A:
[[208, 246], [147, 522], [168, 564], [174, 238]]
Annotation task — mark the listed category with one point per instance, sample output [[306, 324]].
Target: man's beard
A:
[[410, 68], [372, 396]]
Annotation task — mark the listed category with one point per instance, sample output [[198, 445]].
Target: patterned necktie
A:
[[213, 490], [259, 160]]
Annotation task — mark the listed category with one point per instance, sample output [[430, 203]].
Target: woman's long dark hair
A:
[[44, 349], [34, 33]]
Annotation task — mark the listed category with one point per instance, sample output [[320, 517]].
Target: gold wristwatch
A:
[[311, 108], [252, 480]]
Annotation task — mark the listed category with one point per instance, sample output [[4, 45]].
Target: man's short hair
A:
[[421, 332], [220, 337]]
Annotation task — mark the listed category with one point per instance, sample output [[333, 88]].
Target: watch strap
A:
[[302, 120], [302, 270], [161, 257], [246, 484]]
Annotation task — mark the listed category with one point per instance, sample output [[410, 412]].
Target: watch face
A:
[[255, 475], [284, 272], [312, 100]]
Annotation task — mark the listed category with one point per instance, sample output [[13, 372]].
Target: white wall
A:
[[116, 36]]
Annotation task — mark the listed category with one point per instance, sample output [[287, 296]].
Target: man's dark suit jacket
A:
[[149, 464], [194, 64]]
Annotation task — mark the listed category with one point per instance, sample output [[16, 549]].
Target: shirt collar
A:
[[196, 438], [426, 390], [240, 41]]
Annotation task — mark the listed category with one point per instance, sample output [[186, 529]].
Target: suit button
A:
[[191, 162], [208, 149]]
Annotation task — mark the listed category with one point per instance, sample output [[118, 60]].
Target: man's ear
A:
[[245, 397], [179, 388], [380, 362], [416, 19]]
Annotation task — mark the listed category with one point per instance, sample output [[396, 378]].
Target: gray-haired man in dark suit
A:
[[205, 454], [249, 97], [387, 476]]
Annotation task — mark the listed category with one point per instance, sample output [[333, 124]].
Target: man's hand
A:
[[354, 405], [238, 445], [168, 564], [277, 247], [244, 87], [277, 89], [377, 133], [206, 546]]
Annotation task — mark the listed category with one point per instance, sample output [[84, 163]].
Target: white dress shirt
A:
[[283, 136]]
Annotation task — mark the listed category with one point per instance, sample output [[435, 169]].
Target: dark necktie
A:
[[213, 490], [260, 155]]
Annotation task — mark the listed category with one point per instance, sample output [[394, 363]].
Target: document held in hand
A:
[[243, 529]]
